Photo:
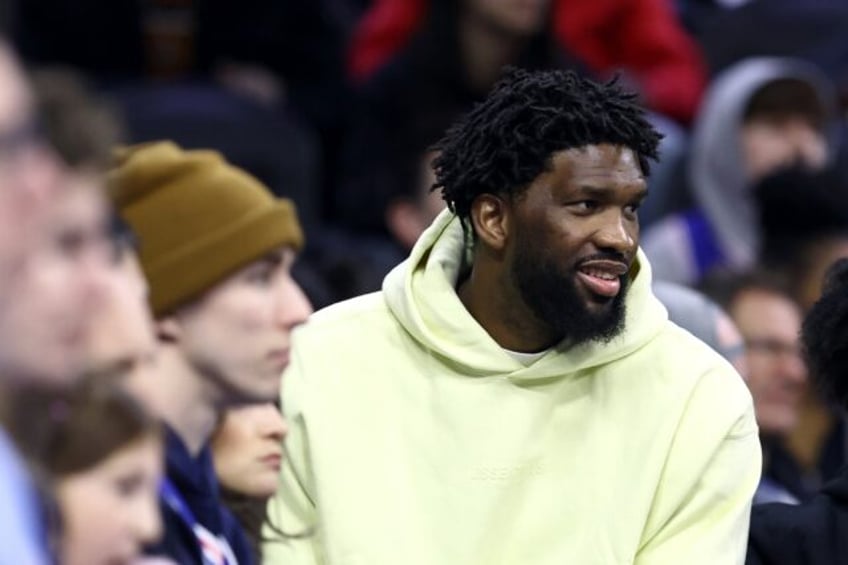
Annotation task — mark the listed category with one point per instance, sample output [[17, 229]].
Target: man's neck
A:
[[182, 397], [502, 313], [485, 51]]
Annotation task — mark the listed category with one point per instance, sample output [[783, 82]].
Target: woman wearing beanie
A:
[[217, 249]]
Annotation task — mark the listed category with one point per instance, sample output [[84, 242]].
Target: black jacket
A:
[[811, 534], [195, 480]]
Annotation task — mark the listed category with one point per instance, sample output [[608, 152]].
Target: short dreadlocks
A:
[[508, 140], [824, 336]]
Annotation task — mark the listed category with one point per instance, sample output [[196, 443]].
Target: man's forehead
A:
[[601, 162], [598, 153]]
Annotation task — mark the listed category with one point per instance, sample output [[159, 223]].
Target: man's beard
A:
[[554, 299]]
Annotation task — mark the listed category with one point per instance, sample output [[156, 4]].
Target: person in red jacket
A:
[[642, 38]]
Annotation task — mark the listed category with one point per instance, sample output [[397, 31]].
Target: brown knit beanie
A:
[[198, 218]]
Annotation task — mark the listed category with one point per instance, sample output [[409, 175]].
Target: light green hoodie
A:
[[416, 440]]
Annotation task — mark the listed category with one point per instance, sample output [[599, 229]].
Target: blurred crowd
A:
[[119, 297]]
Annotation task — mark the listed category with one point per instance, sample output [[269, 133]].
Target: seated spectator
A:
[[56, 292], [804, 215], [814, 533], [804, 218], [651, 46], [247, 451], [83, 128], [452, 60], [101, 453], [758, 116], [217, 250], [409, 212], [29, 181], [770, 321]]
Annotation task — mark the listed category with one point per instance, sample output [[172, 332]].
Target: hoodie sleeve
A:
[[289, 535], [702, 505]]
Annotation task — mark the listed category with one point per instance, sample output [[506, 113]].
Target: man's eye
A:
[[586, 205]]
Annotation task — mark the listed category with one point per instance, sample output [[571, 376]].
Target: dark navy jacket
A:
[[195, 480], [814, 533]]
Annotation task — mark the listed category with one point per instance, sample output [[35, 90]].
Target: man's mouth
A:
[[602, 277]]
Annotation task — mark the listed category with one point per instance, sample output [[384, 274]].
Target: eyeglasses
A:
[[774, 347]]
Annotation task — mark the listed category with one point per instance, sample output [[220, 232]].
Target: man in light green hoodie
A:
[[515, 394]]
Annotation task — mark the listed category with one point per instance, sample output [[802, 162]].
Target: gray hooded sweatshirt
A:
[[717, 177]]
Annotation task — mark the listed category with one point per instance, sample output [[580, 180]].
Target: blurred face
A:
[[111, 510], [576, 234], [768, 145], [29, 175], [770, 324], [59, 286], [514, 17], [247, 449], [239, 333], [408, 218], [122, 335]]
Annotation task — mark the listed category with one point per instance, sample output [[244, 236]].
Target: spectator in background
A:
[[84, 128], [248, 449], [805, 222], [217, 250], [814, 533], [501, 362], [451, 62], [770, 322], [758, 116], [61, 287], [339, 264], [804, 217], [29, 180], [640, 37], [410, 212], [101, 453]]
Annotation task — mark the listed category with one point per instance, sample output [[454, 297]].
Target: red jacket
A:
[[641, 37]]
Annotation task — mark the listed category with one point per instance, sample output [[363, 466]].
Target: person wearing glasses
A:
[[769, 320], [814, 533]]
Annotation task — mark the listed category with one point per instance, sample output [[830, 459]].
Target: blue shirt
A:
[[24, 536]]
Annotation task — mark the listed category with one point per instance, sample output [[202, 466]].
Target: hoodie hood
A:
[[717, 172], [421, 294]]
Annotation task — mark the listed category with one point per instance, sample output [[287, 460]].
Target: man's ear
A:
[[168, 329], [490, 216]]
